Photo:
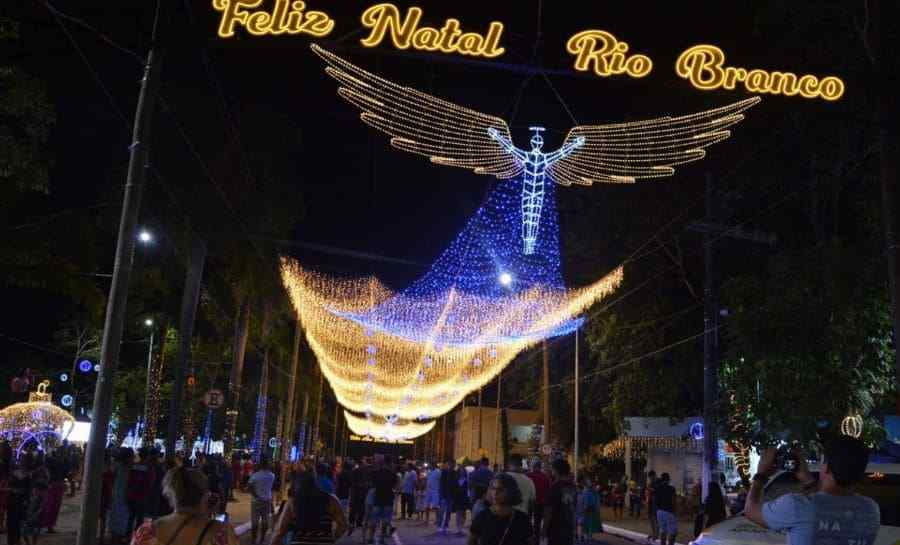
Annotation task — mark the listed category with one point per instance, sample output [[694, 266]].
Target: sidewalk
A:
[[637, 529]]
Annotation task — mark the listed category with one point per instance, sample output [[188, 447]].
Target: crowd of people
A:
[[151, 500], [508, 506], [32, 486]]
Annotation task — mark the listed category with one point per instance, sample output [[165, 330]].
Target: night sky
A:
[[360, 194]]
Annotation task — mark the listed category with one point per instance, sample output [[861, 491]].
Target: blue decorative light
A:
[[697, 431], [63, 377], [67, 400], [85, 366]]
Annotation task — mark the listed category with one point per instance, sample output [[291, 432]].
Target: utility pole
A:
[[189, 299], [545, 394], [712, 231], [315, 444], [480, 421], [497, 454], [118, 293]]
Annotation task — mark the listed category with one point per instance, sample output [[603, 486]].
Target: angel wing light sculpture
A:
[[453, 135]]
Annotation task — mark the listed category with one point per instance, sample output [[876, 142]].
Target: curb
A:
[[630, 535]]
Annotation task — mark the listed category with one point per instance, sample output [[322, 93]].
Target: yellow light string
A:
[[387, 430], [379, 373]]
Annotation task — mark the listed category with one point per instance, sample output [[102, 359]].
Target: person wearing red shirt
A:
[[541, 486]]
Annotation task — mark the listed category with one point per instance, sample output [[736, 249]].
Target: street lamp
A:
[[505, 279], [145, 236]]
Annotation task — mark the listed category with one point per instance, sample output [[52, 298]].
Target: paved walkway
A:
[[408, 532]]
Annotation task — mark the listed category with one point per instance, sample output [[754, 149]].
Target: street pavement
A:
[[408, 532], [416, 533]]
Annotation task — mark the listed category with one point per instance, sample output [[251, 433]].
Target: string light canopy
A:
[[453, 135], [386, 429], [414, 354]]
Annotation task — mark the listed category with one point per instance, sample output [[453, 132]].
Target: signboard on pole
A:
[[213, 399]]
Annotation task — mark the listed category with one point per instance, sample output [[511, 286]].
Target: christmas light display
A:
[[852, 426], [38, 421], [452, 135], [388, 429], [414, 354]]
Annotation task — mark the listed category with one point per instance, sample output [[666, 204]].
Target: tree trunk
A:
[[190, 299], [241, 333], [290, 422], [260, 435]]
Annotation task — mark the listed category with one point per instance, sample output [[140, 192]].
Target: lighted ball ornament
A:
[[37, 422], [85, 366]]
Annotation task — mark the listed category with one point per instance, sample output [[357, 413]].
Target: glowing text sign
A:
[[594, 50], [384, 19], [286, 17], [702, 65]]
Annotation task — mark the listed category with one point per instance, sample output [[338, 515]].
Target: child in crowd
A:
[[31, 529], [588, 511]]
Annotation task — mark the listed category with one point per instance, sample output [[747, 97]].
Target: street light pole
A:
[[118, 294]]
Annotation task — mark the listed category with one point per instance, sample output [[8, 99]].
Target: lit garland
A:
[[452, 135], [389, 430], [415, 354]]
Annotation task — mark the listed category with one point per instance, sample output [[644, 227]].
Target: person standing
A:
[[449, 482], [501, 524], [408, 492], [384, 484], [260, 486], [433, 495], [526, 487], [185, 489], [325, 482], [57, 466], [360, 482], [834, 513], [19, 487], [479, 482], [140, 485], [119, 513], [650, 500], [667, 522], [461, 502], [635, 498], [588, 511], [314, 517], [344, 482], [541, 483], [559, 512]]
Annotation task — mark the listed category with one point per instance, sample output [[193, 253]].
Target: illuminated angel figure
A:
[[534, 169], [453, 135]]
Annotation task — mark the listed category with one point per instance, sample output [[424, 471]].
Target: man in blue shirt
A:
[[833, 514]]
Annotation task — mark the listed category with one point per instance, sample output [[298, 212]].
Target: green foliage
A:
[[809, 344]]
